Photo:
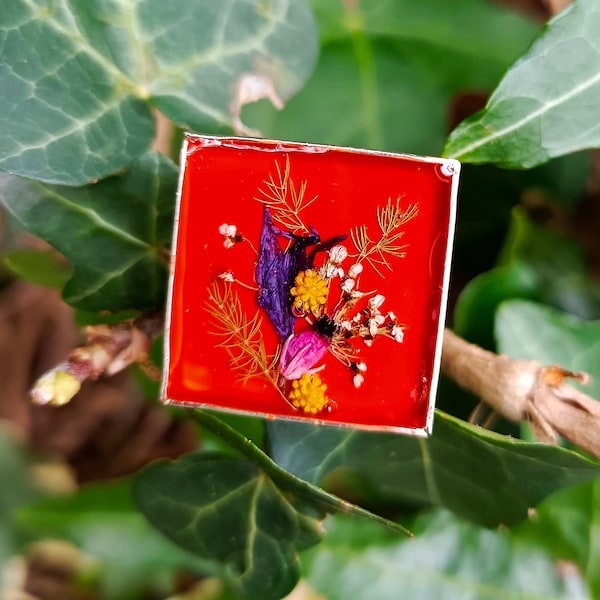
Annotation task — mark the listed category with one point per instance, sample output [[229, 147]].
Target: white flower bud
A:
[[375, 302], [398, 333], [338, 254], [355, 270], [348, 285]]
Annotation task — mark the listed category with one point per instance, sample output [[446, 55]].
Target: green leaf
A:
[[17, 490], [568, 525], [388, 70], [535, 264], [476, 306], [134, 560], [79, 79], [447, 559], [479, 475], [562, 275], [230, 514], [41, 268], [547, 103], [114, 233], [526, 330]]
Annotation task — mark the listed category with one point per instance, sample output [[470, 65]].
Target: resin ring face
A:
[[309, 282]]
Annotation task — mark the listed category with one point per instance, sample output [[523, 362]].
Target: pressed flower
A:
[[301, 352], [310, 292], [308, 393], [227, 276], [358, 380], [375, 302], [272, 276], [338, 254], [348, 285], [397, 333], [355, 270]]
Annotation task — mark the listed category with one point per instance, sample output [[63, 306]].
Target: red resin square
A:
[[309, 282]]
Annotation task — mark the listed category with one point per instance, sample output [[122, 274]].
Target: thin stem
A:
[[285, 479], [367, 76]]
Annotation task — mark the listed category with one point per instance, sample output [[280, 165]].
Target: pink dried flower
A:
[[301, 352]]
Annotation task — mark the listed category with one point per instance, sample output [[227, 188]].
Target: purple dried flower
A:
[[301, 352], [272, 276]]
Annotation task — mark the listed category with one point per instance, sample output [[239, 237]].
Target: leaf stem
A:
[[285, 479], [367, 75]]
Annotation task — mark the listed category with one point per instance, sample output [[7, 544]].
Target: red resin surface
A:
[[220, 183]]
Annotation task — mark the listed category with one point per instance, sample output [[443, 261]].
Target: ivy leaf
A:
[[388, 70], [547, 103], [42, 268], [447, 559], [114, 233], [526, 330], [227, 512], [480, 475], [79, 79], [568, 525], [132, 559]]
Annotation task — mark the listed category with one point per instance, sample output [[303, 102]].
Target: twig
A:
[[524, 390]]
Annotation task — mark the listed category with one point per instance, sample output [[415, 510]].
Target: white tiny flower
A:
[[346, 325], [227, 276], [228, 243], [338, 254], [358, 380], [391, 316], [379, 319], [357, 318], [348, 285], [375, 302], [368, 342], [333, 271], [397, 333], [223, 229], [231, 231], [361, 366], [373, 326], [355, 270]]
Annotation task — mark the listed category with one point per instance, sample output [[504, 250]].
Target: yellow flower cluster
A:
[[310, 292], [308, 393]]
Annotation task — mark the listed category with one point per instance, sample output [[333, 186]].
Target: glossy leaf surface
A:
[[230, 514], [479, 475], [114, 233], [532, 331], [79, 79], [568, 524], [447, 559], [547, 103], [388, 70]]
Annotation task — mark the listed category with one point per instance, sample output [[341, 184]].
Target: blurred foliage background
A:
[[80, 88]]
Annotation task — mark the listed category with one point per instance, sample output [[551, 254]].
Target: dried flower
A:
[[229, 232], [337, 255], [308, 394], [397, 333], [272, 276], [358, 380], [355, 270], [332, 270], [348, 285], [301, 352], [310, 292], [227, 276], [375, 302]]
